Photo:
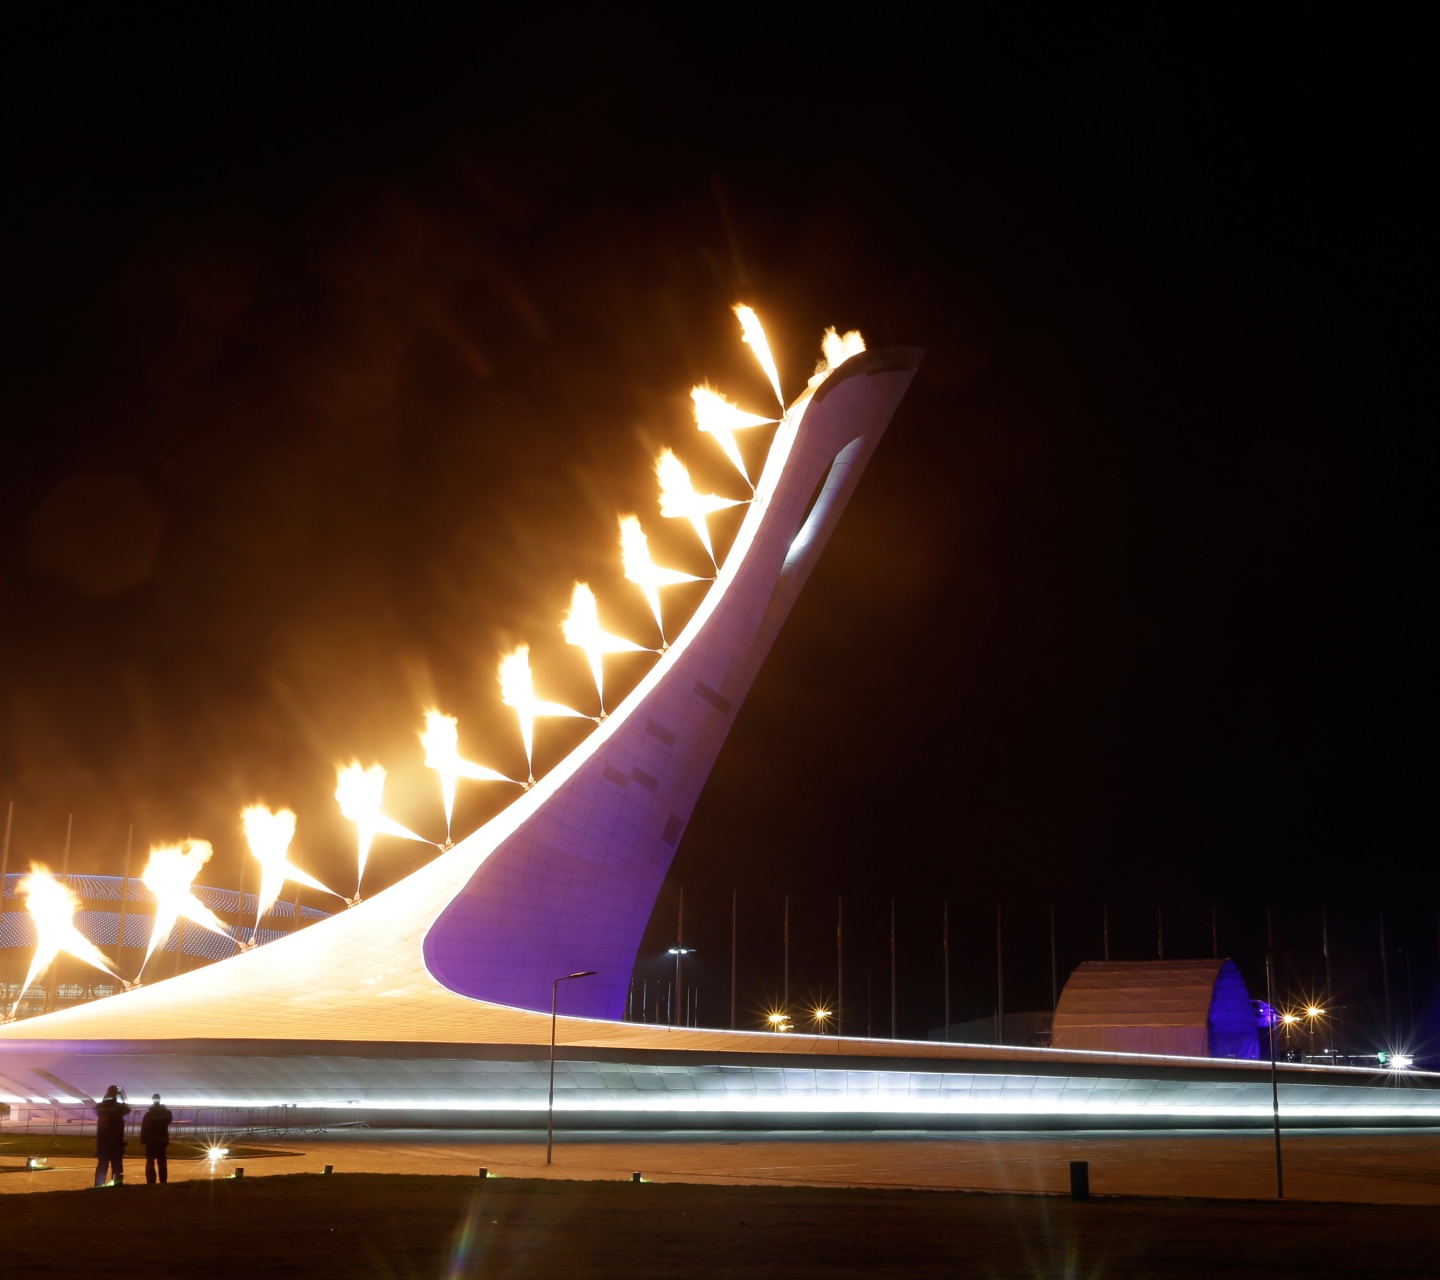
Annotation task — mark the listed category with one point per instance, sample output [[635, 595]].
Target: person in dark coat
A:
[[110, 1113], [155, 1137]]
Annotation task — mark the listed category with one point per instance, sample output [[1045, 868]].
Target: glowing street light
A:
[[360, 792], [550, 1106], [582, 629], [169, 875], [441, 740], [679, 953], [754, 334], [517, 689], [644, 572], [269, 834], [778, 1021], [718, 417], [679, 499], [52, 906], [821, 1017]]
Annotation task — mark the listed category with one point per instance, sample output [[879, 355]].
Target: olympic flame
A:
[[168, 875], [835, 349], [269, 835], [441, 740], [679, 499], [360, 793], [643, 571], [52, 907], [517, 689], [582, 629], [716, 416], [754, 335]]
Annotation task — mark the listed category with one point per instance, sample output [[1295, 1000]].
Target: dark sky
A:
[[332, 347]]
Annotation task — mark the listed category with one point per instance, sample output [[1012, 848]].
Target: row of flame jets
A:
[[172, 869]]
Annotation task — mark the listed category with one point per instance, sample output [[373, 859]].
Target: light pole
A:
[[550, 1106], [679, 953], [1274, 1078]]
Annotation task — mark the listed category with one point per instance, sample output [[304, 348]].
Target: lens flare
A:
[[717, 417], [168, 875], [269, 834], [680, 501], [517, 689], [52, 908], [441, 740], [360, 793], [643, 571], [754, 334], [582, 629], [835, 349]]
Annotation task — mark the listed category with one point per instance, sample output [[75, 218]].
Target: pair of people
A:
[[110, 1113]]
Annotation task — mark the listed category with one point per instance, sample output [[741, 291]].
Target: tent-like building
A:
[[1198, 1008]]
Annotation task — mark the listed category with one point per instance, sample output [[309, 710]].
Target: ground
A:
[[913, 1205]]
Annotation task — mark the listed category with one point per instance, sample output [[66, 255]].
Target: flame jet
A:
[[360, 793], [441, 740], [168, 875], [754, 334], [717, 417], [835, 349], [679, 499], [52, 907], [582, 629], [269, 835], [517, 689], [644, 572]]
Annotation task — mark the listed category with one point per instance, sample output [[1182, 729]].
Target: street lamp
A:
[[820, 1014], [1274, 1077], [679, 953], [1312, 1012], [550, 1106]]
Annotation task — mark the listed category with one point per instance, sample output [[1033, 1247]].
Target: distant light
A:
[[217, 1153], [822, 1014], [1399, 1061], [1314, 1012], [1288, 1018]]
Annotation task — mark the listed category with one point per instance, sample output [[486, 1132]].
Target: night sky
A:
[[332, 347]]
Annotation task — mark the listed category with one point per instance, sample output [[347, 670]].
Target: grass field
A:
[[403, 1226]]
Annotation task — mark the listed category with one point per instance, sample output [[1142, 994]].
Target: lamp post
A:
[[550, 1106], [1274, 1077], [679, 953]]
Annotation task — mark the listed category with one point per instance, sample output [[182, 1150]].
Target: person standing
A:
[[110, 1113], [155, 1137]]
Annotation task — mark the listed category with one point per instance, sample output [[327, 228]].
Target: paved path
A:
[[1355, 1167]]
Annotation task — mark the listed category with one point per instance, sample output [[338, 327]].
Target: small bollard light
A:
[[1079, 1180], [239, 1171], [635, 1177], [329, 1168], [484, 1172]]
